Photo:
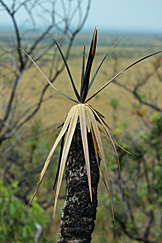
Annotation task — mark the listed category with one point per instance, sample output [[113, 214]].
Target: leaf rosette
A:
[[90, 120]]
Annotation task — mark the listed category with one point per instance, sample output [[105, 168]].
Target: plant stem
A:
[[79, 213]]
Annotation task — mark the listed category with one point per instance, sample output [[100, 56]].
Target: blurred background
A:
[[31, 111]]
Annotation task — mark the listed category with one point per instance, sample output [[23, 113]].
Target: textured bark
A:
[[79, 213]]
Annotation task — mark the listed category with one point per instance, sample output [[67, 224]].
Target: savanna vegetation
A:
[[131, 106]]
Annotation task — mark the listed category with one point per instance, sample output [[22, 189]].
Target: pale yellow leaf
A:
[[113, 140], [108, 134], [82, 117], [98, 139], [68, 140], [99, 143], [97, 157], [62, 132]]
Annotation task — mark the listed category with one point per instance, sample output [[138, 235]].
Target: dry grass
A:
[[128, 50], [55, 109]]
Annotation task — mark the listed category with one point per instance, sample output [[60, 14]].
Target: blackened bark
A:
[[79, 213]]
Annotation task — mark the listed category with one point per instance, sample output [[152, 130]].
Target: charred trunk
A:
[[79, 213]]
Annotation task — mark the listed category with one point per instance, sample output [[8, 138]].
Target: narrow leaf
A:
[[117, 75], [60, 156], [94, 76], [97, 111], [101, 173], [82, 118], [62, 132], [102, 121], [68, 140], [99, 143], [85, 85], [67, 68], [113, 140], [101, 116], [48, 79], [95, 145], [98, 139], [82, 78], [107, 131]]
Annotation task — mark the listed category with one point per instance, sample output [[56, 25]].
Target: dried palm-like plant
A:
[[90, 120]]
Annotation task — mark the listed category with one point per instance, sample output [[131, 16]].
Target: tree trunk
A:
[[79, 213]]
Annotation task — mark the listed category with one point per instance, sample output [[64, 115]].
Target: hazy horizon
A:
[[125, 16], [6, 28]]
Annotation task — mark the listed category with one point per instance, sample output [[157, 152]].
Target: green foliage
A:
[[142, 185], [16, 224], [114, 103], [141, 96]]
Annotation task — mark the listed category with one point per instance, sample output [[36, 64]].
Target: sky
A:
[[113, 15], [131, 15]]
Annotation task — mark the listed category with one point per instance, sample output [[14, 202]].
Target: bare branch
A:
[[134, 91], [22, 62]]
